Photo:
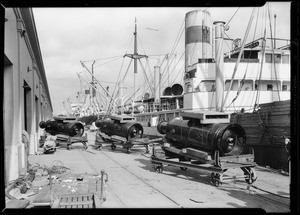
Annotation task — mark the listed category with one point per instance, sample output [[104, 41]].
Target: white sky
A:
[[70, 35]]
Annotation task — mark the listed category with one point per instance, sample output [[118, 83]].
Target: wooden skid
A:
[[210, 168], [225, 162], [115, 140]]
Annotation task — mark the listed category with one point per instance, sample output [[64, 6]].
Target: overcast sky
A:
[[70, 35]]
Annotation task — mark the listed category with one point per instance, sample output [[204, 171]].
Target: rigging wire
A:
[[101, 59], [120, 72], [176, 65], [108, 62], [145, 75], [232, 16], [179, 35], [273, 54]]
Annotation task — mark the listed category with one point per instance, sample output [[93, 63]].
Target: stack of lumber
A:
[[266, 130]]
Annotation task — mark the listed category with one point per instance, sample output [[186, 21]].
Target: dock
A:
[[133, 183]]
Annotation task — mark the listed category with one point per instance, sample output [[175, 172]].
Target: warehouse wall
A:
[[26, 98]]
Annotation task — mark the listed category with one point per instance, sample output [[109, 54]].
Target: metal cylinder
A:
[[127, 130], [59, 127], [229, 139], [177, 89], [162, 127]]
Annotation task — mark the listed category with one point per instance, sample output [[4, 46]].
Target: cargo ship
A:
[[249, 80], [237, 79]]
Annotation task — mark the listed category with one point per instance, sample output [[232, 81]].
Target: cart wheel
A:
[[158, 169], [250, 176], [99, 148], [147, 149], [217, 158], [113, 147], [215, 179], [183, 168]]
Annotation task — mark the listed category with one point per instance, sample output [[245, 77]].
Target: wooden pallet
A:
[[71, 191]]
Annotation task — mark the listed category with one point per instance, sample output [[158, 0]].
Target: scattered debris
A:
[[79, 178], [196, 201], [49, 145]]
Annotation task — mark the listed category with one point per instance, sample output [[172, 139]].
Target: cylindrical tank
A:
[[72, 129], [167, 91], [229, 139], [177, 89], [127, 130]]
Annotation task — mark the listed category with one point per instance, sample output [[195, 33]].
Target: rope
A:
[[265, 128]]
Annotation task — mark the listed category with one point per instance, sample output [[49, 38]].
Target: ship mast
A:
[[219, 86], [135, 57]]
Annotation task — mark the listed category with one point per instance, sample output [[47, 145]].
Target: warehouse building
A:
[[26, 98]]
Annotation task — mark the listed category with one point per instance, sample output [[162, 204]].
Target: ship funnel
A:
[[167, 91], [177, 89]]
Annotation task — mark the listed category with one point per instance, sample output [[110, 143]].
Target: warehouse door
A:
[[8, 102], [27, 107], [37, 114]]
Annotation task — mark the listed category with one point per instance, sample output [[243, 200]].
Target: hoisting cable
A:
[[246, 70], [260, 72], [239, 56]]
